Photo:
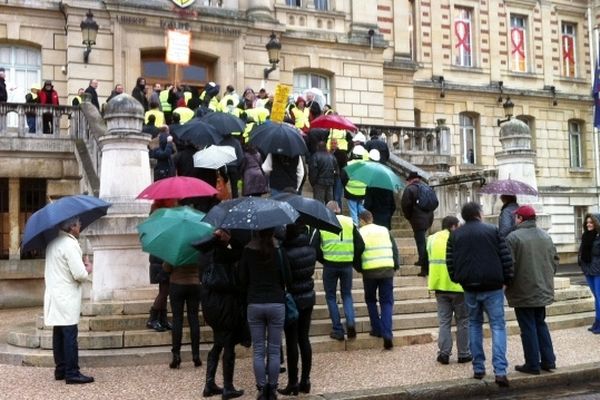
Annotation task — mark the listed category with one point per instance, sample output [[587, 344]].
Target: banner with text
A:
[[178, 47]]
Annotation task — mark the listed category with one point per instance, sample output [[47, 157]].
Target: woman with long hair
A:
[[589, 261], [263, 271], [302, 257]]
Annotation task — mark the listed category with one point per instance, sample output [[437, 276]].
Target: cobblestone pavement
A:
[[331, 372]]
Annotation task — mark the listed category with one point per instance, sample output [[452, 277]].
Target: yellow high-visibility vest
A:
[[340, 137], [185, 114], [378, 247], [160, 117], [438, 271], [165, 106], [340, 247], [301, 117]]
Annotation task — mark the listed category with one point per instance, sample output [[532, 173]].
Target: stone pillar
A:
[[14, 202], [516, 161], [119, 262], [261, 10], [363, 19]]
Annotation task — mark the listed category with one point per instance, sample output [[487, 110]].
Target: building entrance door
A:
[[156, 70]]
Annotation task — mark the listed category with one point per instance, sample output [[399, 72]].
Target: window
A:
[[468, 139], [156, 70], [575, 144], [462, 37], [321, 5], [293, 3], [307, 80], [4, 221], [580, 213], [518, 43], [32, 198], [569, 46]]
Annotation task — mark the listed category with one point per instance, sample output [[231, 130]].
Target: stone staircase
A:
[[114, 333]]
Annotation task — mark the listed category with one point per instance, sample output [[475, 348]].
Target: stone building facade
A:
[[383, 62]]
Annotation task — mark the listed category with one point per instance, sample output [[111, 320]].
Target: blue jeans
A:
[[535, 337], [331, 275], [594, 284], [381, 324], [355, 207], [66, 351], [338, 191], [266, 324], [492, 303]]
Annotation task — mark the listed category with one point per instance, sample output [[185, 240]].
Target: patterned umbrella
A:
[[312, 212], [508, 186], [251, 213]]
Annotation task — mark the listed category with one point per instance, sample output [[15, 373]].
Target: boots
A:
[[229, 391], [154, 322], [176, 362], [163, 320], [211, 388], [304, 385], [270, 392], [596, 327], [261, 393]]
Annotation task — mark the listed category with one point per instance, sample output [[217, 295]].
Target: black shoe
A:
[[59, 376], [443, 359], [79, 380], [211, 389], [388, 344], [176, 362], [289, 390], [478, 375], [417, 263], [304, 386], [525, 369], [337, 336], [197, 361], [548, 367], [351, 333], [155, 324], [462, 360], [282, 369], [501, 380], [231, 393], [374, 334]]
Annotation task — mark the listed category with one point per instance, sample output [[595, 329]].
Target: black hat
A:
[[413, 175]]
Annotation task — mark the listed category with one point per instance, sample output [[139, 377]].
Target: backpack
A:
[[426, 198]]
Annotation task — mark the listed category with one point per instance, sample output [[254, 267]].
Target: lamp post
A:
[[273, 49], [508, 111], [89, 31]]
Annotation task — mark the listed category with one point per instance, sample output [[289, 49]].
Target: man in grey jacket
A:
[[532, 289]]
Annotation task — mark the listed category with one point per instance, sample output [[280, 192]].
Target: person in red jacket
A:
[[48, 96]]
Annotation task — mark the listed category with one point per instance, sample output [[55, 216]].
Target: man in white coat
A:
[[65, 271]]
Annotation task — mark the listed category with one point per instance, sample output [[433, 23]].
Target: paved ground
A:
[[368, 372]]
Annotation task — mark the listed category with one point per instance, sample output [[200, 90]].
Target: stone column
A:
[[363, 19], [516, 161], [14, 202], [119, 262], [261, 10]]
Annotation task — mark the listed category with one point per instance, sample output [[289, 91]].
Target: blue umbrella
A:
[[42, 226]]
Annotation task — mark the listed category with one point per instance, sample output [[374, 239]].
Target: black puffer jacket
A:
[[323, 169], [302, 258], [478, 258], [419, 220]]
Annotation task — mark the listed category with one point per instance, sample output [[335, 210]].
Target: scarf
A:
[[587, 242]]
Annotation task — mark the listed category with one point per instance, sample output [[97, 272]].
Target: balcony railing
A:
[[405, 140]]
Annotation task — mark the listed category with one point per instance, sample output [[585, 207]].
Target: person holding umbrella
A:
[[506, 221], [64, 273]]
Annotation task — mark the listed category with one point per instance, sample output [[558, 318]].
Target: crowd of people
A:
[[241, 278]]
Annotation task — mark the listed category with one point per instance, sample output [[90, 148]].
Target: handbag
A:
[[291, 310]]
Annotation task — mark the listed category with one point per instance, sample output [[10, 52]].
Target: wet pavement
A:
[[584, 391]]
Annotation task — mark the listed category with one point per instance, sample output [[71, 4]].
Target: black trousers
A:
[[223, 342], [66, 350], [188, 295], [297, 337]]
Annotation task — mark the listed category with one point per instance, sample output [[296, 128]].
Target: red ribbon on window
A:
[[461, 30], [568, 54], [517, 38]]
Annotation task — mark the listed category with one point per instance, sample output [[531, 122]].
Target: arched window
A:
[[468, 138], [308, 80]]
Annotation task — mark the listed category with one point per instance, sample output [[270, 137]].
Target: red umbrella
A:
[[177, 187], [508, 186], [333, 121]]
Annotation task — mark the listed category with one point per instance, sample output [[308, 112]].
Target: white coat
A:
[[64, 274]]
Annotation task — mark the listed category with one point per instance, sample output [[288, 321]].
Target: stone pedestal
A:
[[119, 262]]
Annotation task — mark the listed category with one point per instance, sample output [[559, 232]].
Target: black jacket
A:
[[302, 258], [138, 94], [478, 258], [283, 174], [382, 205], [419, 220], [323, 169], [3, 92], [381, 146]]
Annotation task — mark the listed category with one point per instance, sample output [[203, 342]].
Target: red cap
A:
[[526, 212]]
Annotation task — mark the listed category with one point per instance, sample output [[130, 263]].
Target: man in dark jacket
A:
[[478, 258], [420, 221], [380, 201], [532, 289], [3, 92], [139, 93], [376, 143], [322, 172], [91, 90]]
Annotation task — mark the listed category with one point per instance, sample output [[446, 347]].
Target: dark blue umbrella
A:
[[312, 212], [42, 226], [276, 138], [224, 123], [251, 213], [199, 133]]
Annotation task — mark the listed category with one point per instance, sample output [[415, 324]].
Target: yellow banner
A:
[[280, 99]]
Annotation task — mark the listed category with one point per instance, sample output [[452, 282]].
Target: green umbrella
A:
[[374, 174], [169, 232]]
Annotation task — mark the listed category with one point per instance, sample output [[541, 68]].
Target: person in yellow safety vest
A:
[[185, 113], [165, 106], [300, 115], [339, 253], [449, 296], [77, 99], [354, 191], [258, 115], [380, 260], [339, 135], [159, 117]]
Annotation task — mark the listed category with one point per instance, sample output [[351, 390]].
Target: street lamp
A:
[[89, 31], [508, 111], [273, 49]]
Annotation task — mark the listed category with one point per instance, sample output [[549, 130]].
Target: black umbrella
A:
[[276, 138], [251, 213], [199, 133], [224, 123], [312, 212]]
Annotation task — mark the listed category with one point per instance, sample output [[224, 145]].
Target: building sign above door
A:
[[183, 3]]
